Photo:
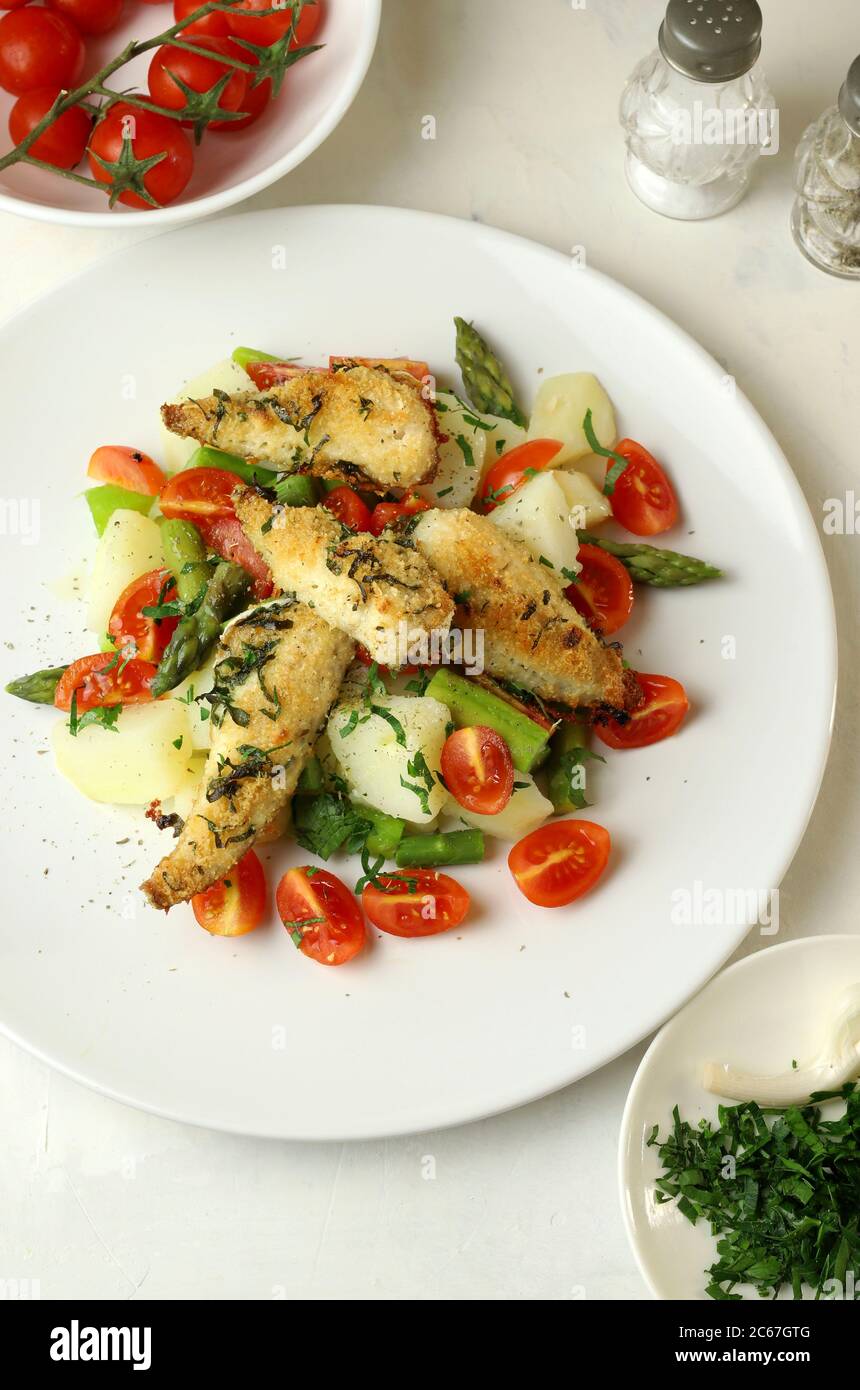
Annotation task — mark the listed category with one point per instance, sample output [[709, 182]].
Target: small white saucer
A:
[[761, 1014]]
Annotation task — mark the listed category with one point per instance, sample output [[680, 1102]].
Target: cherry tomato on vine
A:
[[603, 590], [172, 66], [660, 716], [348, 507], [643, 501], [64, 142], [416, 902], [39, 48], [128, 468], [12, 4], [236, 905], [212, 23], [131, 628], [555, 865], [246, 22], [515, 468], [150, 134], [321, 915], [104, 679], [384, 513], [254, 103], [478, 769], [90, 16]]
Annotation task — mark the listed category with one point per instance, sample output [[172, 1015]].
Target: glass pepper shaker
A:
[[826, 215], [698, 112]]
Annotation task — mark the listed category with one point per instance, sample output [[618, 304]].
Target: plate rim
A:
[[636, 1085], [526, 1093], [179, 213]]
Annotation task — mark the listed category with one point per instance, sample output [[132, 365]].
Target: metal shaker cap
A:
[[849, 98], [711, 40]]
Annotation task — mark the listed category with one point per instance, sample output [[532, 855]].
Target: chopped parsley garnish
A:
[[780, 1189], [102, 716], [417, 767], [594, 444]]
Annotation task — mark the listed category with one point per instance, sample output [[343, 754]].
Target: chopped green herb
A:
[[780, 1189]]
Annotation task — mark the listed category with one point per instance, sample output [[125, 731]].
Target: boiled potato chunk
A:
[[559, 411], [374, 762], [130, 545], [198, 683], [538, 515], [461, 457], [527, 809], [224, 376], [133, 764], [587, 504]]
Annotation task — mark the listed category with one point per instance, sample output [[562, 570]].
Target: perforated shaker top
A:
[[849, 97], [711, 40]]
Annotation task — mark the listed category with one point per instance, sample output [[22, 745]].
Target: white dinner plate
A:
[[766, 1010], [248, 1035]]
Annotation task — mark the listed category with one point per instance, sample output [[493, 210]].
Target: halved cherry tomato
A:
[[225, 536], [559, 862], [268, 374], [384, 513], [237, 904], [418, 902], [420, 370], [199, 494], [602, 591], [132, 631], [104, 679], [662, 714], [348, 507], [644, 501], [128, 468], [478, 769], [204, 496], [515, 468], [321, 915]]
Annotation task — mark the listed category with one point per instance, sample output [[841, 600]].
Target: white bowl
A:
[[758, 1014], [318, 92]]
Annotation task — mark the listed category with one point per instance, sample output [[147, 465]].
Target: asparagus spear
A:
[[185, 556], [386, 833], [39, 687], [487, 383], [435, 851], [649, 565], [197, 634], [472, 704], [568, 752]]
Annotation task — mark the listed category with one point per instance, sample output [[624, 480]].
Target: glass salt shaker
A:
[[698, 112], [826, 215]]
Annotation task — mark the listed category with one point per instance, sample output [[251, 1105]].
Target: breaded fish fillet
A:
[[278, 672], [532, 635], [378, 589], [360, 424]]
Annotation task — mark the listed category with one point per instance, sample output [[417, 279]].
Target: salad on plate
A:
[[376, 616]]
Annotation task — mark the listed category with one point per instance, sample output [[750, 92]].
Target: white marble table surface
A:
[[100, 1201]]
